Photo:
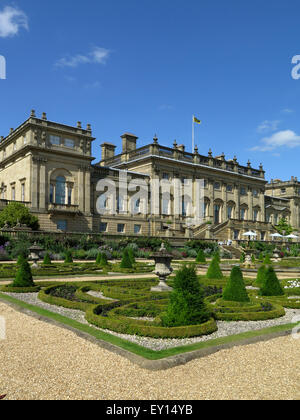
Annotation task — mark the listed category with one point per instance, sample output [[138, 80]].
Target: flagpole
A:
[[193, 135]]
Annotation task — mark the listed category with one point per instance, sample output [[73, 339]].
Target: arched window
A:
[[60, 190]]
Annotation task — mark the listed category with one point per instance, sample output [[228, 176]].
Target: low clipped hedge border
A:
[[277, 312], [45, 296], [141, 328], [10, 289], [284, 301]]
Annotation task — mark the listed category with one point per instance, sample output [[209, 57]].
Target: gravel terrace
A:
[[224, 328], [40, 361]]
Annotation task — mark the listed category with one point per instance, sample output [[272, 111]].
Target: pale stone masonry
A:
[[49, 167]]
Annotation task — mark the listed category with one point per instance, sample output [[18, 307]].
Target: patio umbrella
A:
[[292, 237], [276, 235], [249, 234]]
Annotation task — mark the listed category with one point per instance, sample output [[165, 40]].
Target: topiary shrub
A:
[[214, 270], [47, 259], [126, 262], [98, 259], [243, 258], [186, 306], [131, 255], [68, 257], [235, 290], [201, 257], [24, 276], [267, 260], [271, 285], [21, 259], [103, 260], [260, 276]]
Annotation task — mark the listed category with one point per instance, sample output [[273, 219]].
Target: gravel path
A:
[[40, 361], [224, 328], [98, 295]]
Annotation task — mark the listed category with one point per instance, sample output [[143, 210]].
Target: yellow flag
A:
[[197, 121]]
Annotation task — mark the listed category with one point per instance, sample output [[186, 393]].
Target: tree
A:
[[271, 285], [201, 257], [68, 257], [131, 255], [186, 305], [260, 276], [214, 270], [24, 276], [103, 260], [47, 259], [98, 259], [15, 213], [21, 259], [235, 290], [126, 262], [284, 227], [267, 260]]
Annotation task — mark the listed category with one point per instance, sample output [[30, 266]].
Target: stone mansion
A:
[[49, 167]]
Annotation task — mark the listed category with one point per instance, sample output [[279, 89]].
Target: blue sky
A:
[[148, 66]]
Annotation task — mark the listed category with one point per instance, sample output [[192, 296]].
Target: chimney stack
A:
[[129, 142]]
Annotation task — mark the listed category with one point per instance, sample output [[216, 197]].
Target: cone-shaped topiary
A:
[[235, 291], [47, 259], [261, 257], [103, 260], [271, 285], [98, 259], [218, 257], [214, 270], [243, 258], [68, 257], [267, 260], [201, 257], [126, 262], [260, 276], [186, 306], [21, 259], [131, 256], [253, 259], [24, 276]]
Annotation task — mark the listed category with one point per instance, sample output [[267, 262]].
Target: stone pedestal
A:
[[163, 269]]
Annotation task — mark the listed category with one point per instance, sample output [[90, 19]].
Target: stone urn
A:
[[163, 269], [248, 256], [276, 255], [35, 251]]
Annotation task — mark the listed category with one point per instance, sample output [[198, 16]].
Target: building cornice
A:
[[197, 165]]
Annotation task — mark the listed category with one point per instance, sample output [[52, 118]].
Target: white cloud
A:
[[96, 56], [11, 21], [268, 126], [287, 111], [286, 138]]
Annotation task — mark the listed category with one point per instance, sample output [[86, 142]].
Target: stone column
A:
[[293, 213], [34, 183], [43, 184], [237, 201], [87, 191], [224, 199], [250, 204], [262, 206], [211, 195], [81, 198]]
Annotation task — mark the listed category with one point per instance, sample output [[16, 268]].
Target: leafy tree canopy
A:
[[15, 213]]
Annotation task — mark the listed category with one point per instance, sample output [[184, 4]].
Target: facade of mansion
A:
[[49, 167]]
